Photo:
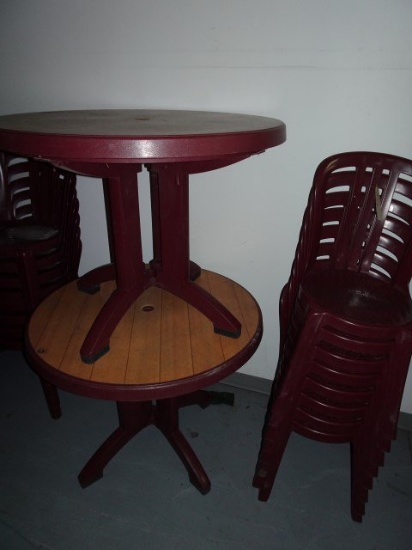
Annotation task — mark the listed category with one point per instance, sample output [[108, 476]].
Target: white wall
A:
[[337, 73]]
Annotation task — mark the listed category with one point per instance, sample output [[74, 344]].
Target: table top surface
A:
[[161, 348], [119, 135]]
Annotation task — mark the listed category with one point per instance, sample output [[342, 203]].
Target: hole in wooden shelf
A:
[[148, 307]]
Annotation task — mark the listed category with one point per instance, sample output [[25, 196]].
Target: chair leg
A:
[[273, 446], [367, 456], [360, 481], [52, 398], [275, 437], [276, 432]]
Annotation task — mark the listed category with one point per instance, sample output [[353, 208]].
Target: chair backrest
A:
[[358, 217], [34, 192]]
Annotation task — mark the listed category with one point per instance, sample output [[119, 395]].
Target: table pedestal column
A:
[[170, 268]]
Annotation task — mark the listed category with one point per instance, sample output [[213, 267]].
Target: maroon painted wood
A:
[[346, 319], [114, 145]]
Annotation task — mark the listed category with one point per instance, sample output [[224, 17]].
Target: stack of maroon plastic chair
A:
[[40, 243], [345, 319]]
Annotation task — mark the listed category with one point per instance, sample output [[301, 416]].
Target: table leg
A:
[[172, 266], [164, 414], [133, 417], [194, 269], [168, 422], [90, 281], [129, 268], [204, 398]]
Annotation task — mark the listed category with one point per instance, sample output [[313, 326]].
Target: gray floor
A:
[[145, 500]]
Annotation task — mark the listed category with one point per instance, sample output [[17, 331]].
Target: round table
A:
[[148, 336], [115, 145], [163, 352]]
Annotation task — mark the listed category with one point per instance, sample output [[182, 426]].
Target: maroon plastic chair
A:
[[40, 243], [345, 319]]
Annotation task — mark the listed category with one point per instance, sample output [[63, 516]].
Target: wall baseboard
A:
[[263, 385]]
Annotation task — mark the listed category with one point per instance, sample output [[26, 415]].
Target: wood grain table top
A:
[[161, 347]]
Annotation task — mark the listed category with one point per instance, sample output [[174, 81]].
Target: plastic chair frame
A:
[[340, 378], [40, 244]]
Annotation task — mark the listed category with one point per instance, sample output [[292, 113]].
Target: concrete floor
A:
[[145, 500]]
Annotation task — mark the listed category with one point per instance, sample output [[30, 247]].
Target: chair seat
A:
[[13, 234], [357, 297]]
